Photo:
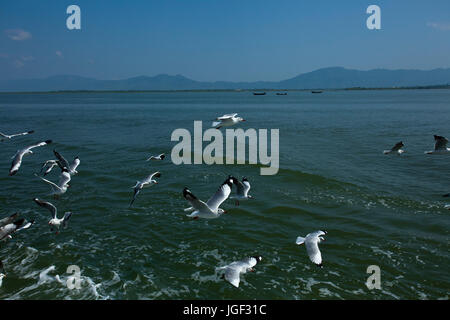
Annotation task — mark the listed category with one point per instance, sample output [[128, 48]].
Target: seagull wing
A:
[[220, 196], [239, 186], [40, 144], [64, 178], [232, 274], [195, 202], [49, 182], [397, 146], [227, 116], [21, 134], [61, 159], [17, 161], [75, 164], [66, 218], [150, 177], [47, 205], [441, 143]]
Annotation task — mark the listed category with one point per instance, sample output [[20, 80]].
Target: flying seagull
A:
[[8, 220], [9, 136], [447, 206], [311, 242], [236, 268], [7, 230], [63, 184], [50, 164], [17, 158], [210, 209], [440, 145], [397, 148], [71, 168], [54, 221], [159, 157], [242, 190], [227, 120], [141, 184]]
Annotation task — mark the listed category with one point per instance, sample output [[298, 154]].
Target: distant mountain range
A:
[[326, 78]]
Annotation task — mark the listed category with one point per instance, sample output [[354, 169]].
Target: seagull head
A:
[[240, 119], [221, 211]]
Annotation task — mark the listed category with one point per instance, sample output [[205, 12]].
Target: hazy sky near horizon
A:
[[242, 40]]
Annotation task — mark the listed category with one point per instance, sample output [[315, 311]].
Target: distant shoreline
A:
[[444, 86]]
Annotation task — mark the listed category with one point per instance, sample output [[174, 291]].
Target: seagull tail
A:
[[387, 151], [299, 240], [216, 123]]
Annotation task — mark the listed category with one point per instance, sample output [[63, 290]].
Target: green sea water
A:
[[377, 209]]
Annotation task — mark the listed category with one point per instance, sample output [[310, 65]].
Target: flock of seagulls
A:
[[13, 224], [440, 147], [198, 208]]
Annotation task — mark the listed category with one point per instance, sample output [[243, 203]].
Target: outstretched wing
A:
[[40, 144], [21, 134], [8, 220], [195, 202], [232, 275], [150, 177], [66, 218], [441, 143], [227, 116], [221, 195], [47, 205], [62, 160], [397, 146]]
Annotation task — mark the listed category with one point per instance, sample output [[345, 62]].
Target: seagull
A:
[[50, 164], [2, 272], [242, 190], [447, 206], [210, 209], [9, 229], [8, 220], [227, 120], [236, 268], [440, 146], [396, 149], [160, 157], [9, 136], [141, 184], [65, 164], [62, 185], [311, 242], [17, 158], [54, 221]]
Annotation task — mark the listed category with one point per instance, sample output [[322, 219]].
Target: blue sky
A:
[[213, 40]]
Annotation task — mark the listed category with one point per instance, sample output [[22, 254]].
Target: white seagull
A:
[[7, 230], [159, 157], [141, 184], [17, 158], [54, 221], [65, 164], [62, 185], [242, 190], [440, 146], [210, 209], [227, 120], [397, 148], [9, 136], [50, 164], [311, 242], [235, 269]]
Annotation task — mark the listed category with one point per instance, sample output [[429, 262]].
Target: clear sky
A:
[[209, 40]]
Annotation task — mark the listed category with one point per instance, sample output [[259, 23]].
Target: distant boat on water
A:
[[316, 91], [259, 93], [281, 93]]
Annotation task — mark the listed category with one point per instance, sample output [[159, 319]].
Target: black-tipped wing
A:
[[397, 146], [8, 220], [195, 202], [47, 205], [440, 143], [62, 160]]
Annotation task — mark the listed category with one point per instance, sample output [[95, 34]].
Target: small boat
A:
[[259, 93], [316, 91], [281, 93]]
